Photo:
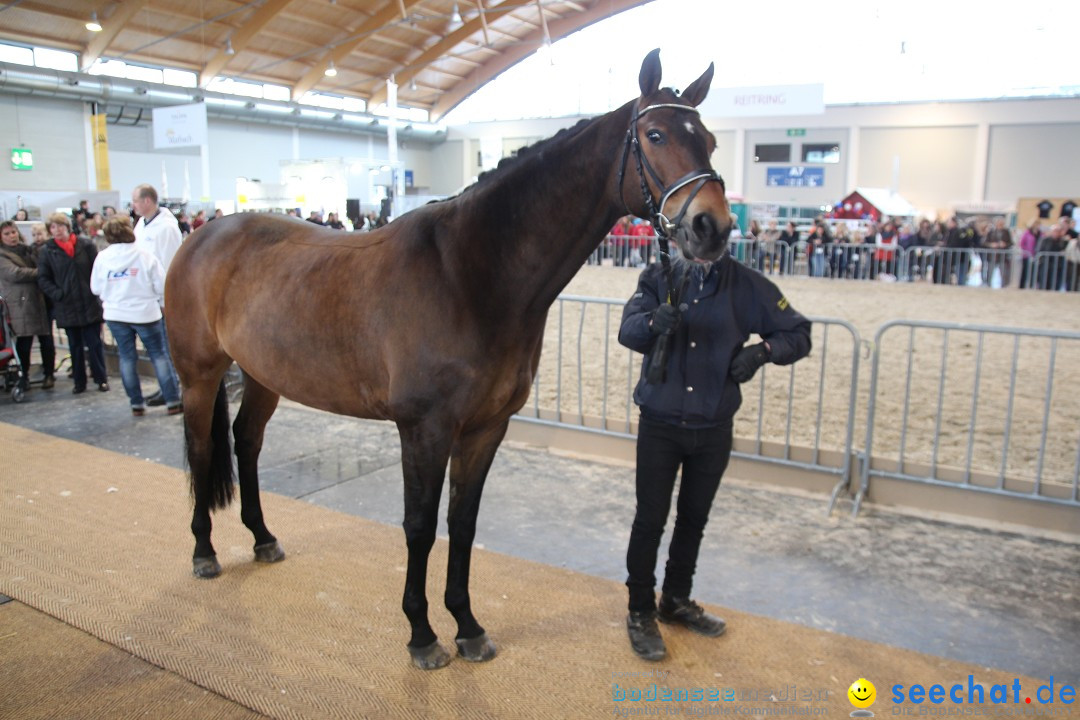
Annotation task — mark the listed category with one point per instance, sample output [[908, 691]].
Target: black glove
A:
[[747, 361], [665, 319]]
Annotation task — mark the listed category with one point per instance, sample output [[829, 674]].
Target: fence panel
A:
[[983, 408], [801, 415]]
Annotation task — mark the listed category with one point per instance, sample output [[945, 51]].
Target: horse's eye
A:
[[655, 137]]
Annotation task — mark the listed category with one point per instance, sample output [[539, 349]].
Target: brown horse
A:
[[434, 321]]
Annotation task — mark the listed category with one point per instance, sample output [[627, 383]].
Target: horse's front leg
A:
[[469, 467], [425, 450]]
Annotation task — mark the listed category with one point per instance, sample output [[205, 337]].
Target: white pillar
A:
[[204, 157], [982, 162], [852, 160], [738, 183]]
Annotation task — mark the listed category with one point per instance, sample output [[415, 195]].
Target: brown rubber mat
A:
[[101, 542]]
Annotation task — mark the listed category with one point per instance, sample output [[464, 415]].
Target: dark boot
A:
[[686, 612], [48, 382], [645, 636], [155, 400]]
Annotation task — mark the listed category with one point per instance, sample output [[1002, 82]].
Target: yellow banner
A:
[[101, 151]]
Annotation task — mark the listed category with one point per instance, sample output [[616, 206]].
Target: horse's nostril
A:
[[705, 226]]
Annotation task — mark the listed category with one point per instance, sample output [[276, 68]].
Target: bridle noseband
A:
[[663, 226]]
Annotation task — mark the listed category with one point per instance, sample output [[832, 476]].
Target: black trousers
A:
[[25, 344], [661, 449], [88, 336]]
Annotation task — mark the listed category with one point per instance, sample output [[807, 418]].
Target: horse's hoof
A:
[[477, 649], [269, 552], [429, 657], [207, 567]]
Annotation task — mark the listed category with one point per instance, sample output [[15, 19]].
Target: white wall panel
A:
[[54, 131], [446, 167], [836, 182], [1029, 161], [935, 164]]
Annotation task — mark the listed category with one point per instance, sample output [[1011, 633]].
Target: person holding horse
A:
[[687, 416]]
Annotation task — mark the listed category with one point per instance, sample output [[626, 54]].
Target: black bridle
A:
[[663, 226], [660, 222]]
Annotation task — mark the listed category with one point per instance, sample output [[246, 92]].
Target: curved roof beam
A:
[[342, 51], [448, 43], [240, 37], [111, 28], [510, 56]]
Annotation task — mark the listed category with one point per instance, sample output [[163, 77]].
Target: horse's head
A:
[[679, 190]]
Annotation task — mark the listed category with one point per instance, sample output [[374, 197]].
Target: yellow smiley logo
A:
[[862, 693]]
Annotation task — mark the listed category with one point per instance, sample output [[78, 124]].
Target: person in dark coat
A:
[[687, 420], [64, 267], [26, 304]]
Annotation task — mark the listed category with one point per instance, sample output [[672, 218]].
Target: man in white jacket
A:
[[131, 284], [157, 229], [158, 233]]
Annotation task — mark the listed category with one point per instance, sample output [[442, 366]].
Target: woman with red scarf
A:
[[64, 267]]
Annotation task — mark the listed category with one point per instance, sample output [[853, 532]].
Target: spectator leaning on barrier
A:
[[999, 241], [687, 418], [1029, 242]]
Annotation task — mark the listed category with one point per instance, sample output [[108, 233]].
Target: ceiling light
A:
[[94, 26], [455, 17], [330, 71], [228, 47], [412, 84]]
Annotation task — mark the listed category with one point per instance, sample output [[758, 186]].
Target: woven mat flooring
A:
[[101, 542]]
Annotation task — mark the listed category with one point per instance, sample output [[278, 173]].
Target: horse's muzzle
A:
[[705, 239]]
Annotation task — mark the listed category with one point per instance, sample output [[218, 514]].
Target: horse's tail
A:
[[219, 474]]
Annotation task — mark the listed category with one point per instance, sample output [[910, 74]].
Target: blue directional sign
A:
[[795, 176]]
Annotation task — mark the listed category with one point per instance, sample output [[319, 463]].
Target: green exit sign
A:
[[22, 159], [796, 132]]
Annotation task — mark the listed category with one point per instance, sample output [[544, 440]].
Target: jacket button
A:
[[695, 302], [689, 388], [693, 344]]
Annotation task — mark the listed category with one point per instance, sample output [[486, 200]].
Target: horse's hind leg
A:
[[425, 450], [469, 467], [256, 407], [206, 436]]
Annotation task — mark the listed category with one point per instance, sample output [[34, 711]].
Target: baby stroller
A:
[[9, 358]]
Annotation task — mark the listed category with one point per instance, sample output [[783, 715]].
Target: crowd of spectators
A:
[[961, 251]]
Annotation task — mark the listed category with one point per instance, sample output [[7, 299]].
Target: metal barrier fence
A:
[[958, 420], [955, 422], [586, 381]]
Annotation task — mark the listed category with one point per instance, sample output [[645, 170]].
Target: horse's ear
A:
[[649, 79], [699, 88]]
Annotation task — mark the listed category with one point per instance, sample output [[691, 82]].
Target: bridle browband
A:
[[660, 222]]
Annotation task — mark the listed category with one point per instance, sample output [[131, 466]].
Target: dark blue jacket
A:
[[721, 311]]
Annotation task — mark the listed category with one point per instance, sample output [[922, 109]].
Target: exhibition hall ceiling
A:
[[437, 51]]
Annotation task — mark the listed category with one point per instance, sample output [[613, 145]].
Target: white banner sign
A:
[[764, 101], [179, 126]]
